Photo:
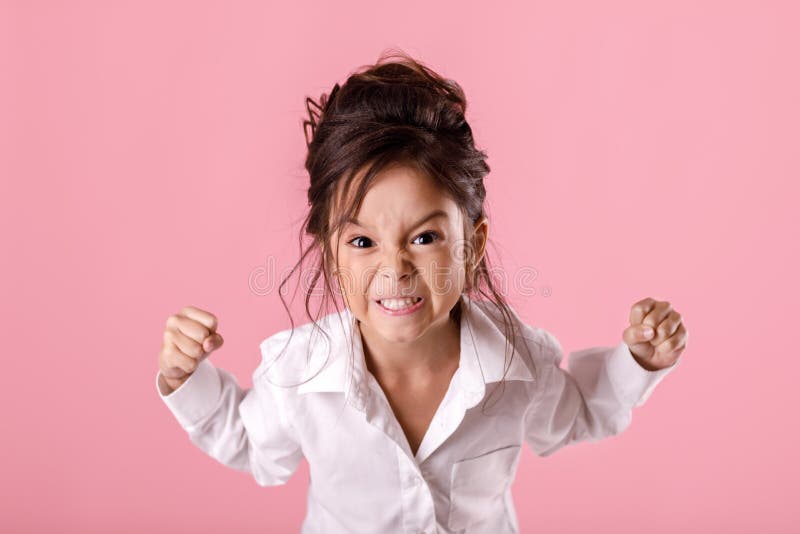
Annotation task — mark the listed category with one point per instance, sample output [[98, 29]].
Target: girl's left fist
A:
[[666, 339]]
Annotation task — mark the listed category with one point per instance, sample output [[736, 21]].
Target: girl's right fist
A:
[[189, 337]]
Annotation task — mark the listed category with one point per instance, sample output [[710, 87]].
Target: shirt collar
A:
[[482, 359]]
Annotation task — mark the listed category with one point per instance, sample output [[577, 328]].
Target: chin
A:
[[397, 340]]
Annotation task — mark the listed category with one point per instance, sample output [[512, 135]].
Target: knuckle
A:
[[195, 328], [172, 357], [188, 326], [194, 348], [181, 359]]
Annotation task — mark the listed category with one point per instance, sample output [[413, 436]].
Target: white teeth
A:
[[398, 304]]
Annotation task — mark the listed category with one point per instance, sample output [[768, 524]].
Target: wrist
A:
[[643, 364], [168, 385]]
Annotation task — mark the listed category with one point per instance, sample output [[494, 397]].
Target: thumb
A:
[[212, 342], [638, 338], [639, 333]]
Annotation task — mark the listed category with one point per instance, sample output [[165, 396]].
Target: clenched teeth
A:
[[398, 304]]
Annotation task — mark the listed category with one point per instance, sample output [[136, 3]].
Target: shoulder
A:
[[542, 345], [533, 346], [550, 349], [286, 354]]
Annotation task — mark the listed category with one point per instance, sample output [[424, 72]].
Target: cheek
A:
[[352, 275], [444, 273]]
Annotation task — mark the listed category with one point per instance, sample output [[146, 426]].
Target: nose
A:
[[395, 266]]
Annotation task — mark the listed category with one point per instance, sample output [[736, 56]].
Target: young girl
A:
[[387, 397]]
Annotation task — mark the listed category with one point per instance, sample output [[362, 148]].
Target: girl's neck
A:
[[414, 363]]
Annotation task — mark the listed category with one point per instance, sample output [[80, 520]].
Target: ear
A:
[[480, 235], [480, 232]]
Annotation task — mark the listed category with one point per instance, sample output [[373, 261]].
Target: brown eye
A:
[[434, 236], [362, 238]]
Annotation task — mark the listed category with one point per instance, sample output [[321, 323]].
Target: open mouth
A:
[[406, 304]]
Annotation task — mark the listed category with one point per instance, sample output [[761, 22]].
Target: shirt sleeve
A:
[[242, 429], [590, 400]]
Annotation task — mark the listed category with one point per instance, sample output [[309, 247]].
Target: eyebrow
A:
[[428, 217]]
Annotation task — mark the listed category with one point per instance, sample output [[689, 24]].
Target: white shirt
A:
[[363, 476]]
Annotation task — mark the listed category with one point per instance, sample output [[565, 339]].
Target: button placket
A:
[[417, 500]]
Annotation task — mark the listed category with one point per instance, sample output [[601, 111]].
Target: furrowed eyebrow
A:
[[428, 217]]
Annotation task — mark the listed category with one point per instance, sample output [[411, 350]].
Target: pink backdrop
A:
[[152, 157]]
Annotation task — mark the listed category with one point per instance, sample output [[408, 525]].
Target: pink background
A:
[[152, 157]]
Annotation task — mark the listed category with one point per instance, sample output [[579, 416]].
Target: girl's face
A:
[[407, 241]]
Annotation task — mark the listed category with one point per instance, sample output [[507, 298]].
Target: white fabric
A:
[[363, 476]]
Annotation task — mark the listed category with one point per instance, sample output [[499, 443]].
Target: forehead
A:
[[398, 193]]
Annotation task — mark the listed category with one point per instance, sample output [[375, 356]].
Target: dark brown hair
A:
[[397, 111]]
